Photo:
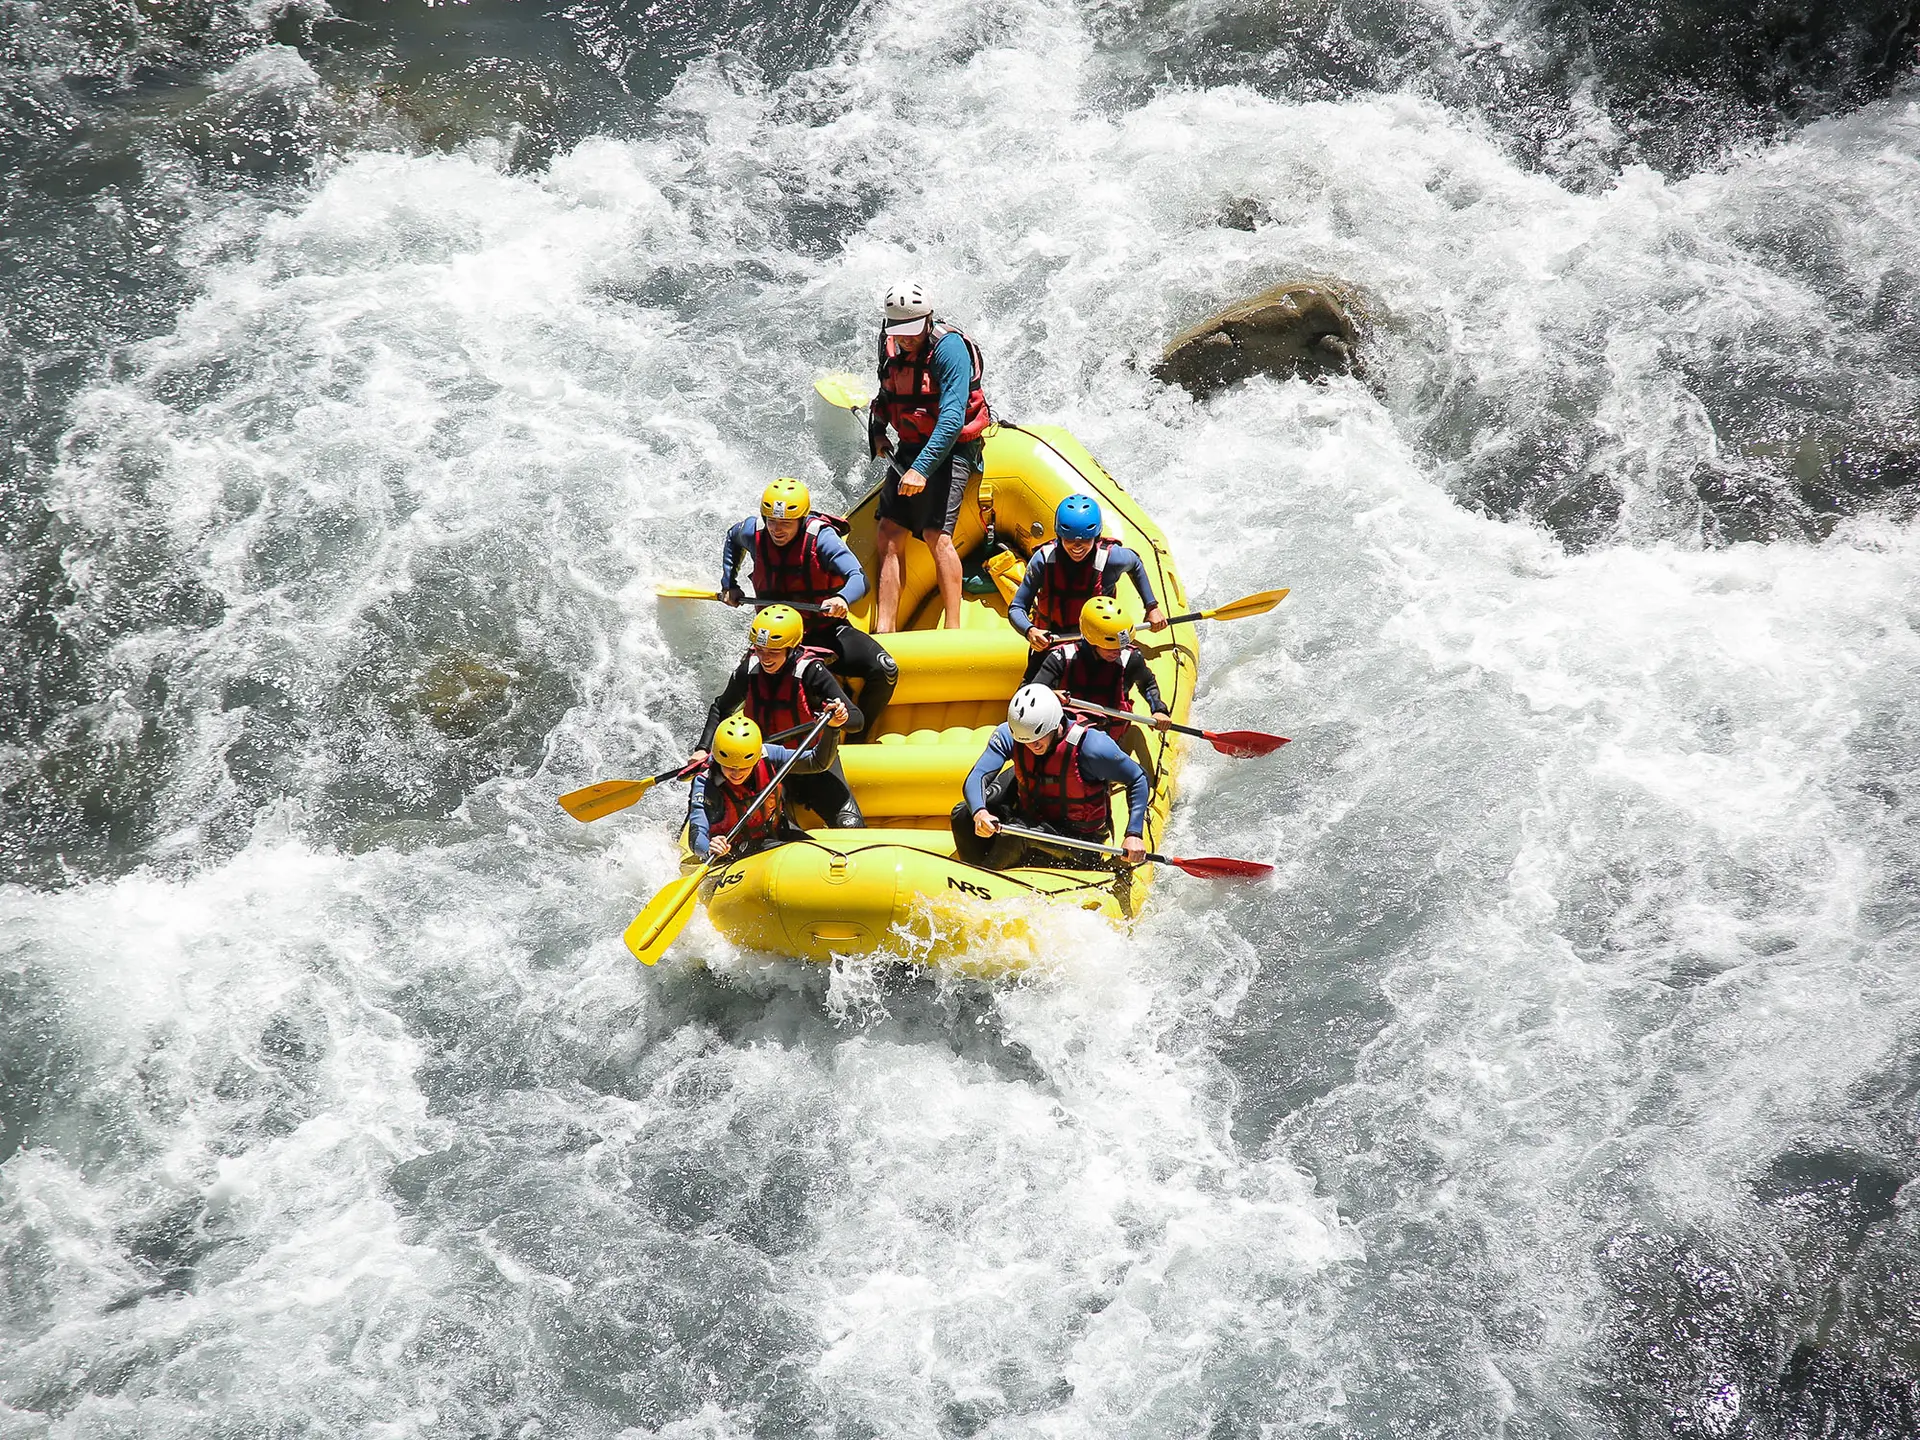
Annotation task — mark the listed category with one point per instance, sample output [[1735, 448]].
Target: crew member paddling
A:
[[781, 685], [1103, 668], [931, 398], [1069, 570], [1039, 772], [735, 781], [798, 557]]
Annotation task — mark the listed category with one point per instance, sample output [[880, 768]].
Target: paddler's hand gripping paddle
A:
[[1208, 867], [1241, 744], [667, 914]]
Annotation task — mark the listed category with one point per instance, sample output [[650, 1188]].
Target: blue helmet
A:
[[1078, 518]]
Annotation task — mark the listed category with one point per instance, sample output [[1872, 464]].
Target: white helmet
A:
[[907, 300], [1033, 712]]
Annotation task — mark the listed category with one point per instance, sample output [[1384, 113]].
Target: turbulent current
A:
[[366, 368]]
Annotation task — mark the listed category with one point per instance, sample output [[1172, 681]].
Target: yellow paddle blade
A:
[[1246, 605], [596, 802], [666, 915], [685, 592], [849, 392]]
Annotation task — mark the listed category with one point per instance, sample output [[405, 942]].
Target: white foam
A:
[[1574, 848]]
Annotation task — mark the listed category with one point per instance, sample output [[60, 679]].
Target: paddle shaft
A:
[[687, 592], [610, 797], [1047, 837], [1130, 716], [1238, 743], [1244, 608], [1210, 867]]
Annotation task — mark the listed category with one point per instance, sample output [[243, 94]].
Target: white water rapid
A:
[[1560, 1084]]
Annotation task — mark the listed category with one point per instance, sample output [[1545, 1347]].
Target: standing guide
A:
[[930, 396]]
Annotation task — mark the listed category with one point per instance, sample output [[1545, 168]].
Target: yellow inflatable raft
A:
[[898, 884]]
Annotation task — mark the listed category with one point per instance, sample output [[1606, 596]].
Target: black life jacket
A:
[[909, 397], [778, 700], [733, 802], [1067, 584], [1053, 790], [1102, 682], [794, 571]]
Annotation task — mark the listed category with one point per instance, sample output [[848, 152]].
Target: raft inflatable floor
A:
[[898, 884]]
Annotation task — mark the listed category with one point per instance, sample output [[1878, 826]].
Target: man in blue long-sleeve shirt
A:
[[799, 559], [1039, 772], [930, 396], [1069, 570]]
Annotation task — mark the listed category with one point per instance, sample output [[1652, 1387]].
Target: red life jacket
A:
[[909, 398], [1067, 584], [793, 571], [1102, 682], [1053, 791], [765, 823], [778, 700]]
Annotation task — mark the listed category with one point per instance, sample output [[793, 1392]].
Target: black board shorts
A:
[[938, 506]]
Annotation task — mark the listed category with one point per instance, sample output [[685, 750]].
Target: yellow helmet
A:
[[786, 499], [737, 744], [778, 627], [1104, 623]]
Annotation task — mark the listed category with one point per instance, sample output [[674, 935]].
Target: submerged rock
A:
[[521, 105], [460, 695], [1243, 212], [1299, 330]]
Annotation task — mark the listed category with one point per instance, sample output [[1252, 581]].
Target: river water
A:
[[366, 367]]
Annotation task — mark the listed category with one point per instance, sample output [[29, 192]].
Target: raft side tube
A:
[[909, 779], [941, 666], [844, 892]]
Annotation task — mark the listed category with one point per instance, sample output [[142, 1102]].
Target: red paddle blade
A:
[[1219, 867], [1243, 744]]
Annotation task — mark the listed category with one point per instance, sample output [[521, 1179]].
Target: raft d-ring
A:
[[837, 870]]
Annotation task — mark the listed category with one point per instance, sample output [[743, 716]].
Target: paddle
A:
[[609, 797], [1241, 744], [844, 391], [850, 392], [1208, 867], [1239, 609], [694, 592], [667, 914]]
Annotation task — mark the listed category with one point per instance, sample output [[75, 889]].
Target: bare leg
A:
[[891, 540], [946, 565]]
